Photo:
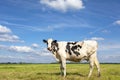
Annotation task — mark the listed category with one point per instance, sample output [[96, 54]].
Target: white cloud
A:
[[22, 49], [6, 35], [60, 26], [97, 38], [26, 49], [34, 45], [63, 5], [4, 29], [117, 22], [110, 58], [103, 47], [3, 47], [11, 57], [9, 38], [45, 52], [19, 49], [49, 28], [43, 29]]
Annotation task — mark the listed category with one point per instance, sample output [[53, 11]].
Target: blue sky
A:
[[25, 23]]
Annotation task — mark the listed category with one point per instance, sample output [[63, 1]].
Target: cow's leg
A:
[[91, 65], [63, 67], [98, 66], [91, 68]]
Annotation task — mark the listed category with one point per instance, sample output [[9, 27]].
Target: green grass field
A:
[[52, 72]]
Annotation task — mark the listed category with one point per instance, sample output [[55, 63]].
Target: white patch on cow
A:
[[62, 47], [49, 43]]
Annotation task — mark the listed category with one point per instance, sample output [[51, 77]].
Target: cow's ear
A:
[[80, 44], [55, 41], [45, 41]]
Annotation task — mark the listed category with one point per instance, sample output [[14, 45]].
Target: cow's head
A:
[[50, 44]]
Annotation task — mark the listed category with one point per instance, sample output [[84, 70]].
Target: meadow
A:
[[52, 72]]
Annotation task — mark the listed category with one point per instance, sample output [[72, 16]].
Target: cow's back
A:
[[88, 48]]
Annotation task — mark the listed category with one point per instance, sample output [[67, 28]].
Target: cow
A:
[[74, 51]]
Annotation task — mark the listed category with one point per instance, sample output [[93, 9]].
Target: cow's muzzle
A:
[[49, 49]]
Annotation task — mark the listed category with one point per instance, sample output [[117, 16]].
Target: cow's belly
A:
[[76, 58], [73, 59]]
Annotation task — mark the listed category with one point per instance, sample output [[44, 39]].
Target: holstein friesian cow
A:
[[74, 51]]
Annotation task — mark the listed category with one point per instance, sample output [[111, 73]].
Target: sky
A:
[[25, 23]]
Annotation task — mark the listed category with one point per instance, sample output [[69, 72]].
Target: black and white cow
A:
[[74, 51]]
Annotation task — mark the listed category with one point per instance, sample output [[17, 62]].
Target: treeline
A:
[[15, 63], [52, 63]]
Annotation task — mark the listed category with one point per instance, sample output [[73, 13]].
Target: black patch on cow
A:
[[54, 41], [54, 46], [68, 47], [74, 48], [71, 47], [73, 43]]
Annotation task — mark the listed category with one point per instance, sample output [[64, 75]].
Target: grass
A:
[[52, 72]]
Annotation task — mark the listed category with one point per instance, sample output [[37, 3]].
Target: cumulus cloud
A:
[[22, 49], [117, 22], [104, 47], [3, 47], [63, 5], [44, 52], [111, 58], [6, 35], [34, 45], [97, 38], [26, 49], [4, 29], [9, 38], [19, 49]]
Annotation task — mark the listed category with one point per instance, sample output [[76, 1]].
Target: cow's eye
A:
[[79, 46]]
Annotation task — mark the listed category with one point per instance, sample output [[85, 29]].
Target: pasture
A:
[[52, 72]]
